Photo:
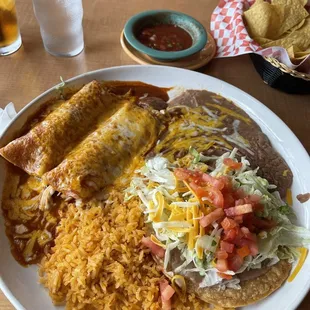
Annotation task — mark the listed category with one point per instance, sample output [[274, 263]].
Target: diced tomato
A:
[[233, 235], [224, 276], [226, 246], [163, 284], [263, 223], [181, 174], [220, 254], [255, 201], [212, 217], [240, 234], [232, 164], [253, 248], [166, 292], [186, 174], [211, 181], [259, 207], [254, 198], [197, 189], [155, 249], [229, 200], [227, 183], [217, 197], [244, 251], [166, 305], [235, 262], [238, 210], [228, 223], [247, 234], [221, 265], [245, 230], [238, 219], [248, 221], [252, 245], [230, 235], [239, 202], [240, 193], [212, 194]]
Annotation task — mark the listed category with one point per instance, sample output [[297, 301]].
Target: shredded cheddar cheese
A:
[[156, 241], [289, 198], [303, 255], [204, 130], [160, 208], [179, 285]]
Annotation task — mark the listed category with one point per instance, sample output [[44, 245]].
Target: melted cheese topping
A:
[[106, 154], [203, 127]]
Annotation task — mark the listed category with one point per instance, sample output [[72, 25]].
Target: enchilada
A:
[[106, 153], [48, 142]]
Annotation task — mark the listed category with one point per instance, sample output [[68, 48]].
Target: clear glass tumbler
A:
[[61, 26], [10, 40]]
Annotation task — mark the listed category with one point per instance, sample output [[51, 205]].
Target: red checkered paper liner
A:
[[232, 38]]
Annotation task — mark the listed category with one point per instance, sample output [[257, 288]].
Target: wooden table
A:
[[30, 71]]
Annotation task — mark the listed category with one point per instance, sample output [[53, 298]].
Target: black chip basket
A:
[[278, 75]]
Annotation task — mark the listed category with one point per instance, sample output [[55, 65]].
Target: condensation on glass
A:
[[61, 26]]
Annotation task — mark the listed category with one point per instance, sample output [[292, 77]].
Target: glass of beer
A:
[[10, 40]]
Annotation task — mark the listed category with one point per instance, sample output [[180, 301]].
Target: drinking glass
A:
[[61, 26], [10, 40]]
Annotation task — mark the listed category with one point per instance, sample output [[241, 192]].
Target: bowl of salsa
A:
[[165, 35]]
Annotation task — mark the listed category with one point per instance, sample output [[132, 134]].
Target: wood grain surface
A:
[[30, 71]]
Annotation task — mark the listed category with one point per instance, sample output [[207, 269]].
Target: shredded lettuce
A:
[[210, 279], [60, 87], [169, 247], [233, 283], [195, 154], [208, 243], [156, 176], [286, 209]]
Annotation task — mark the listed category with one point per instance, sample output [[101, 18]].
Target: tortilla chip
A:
[[302, 55], [296, 54], [262, 41], [263, 20], [299, 38], [284, 23], [294, 13], [298, 26], [288, 2], [291, 52], [251, 290]]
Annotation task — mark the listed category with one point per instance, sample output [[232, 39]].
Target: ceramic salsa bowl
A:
[[156, 17]]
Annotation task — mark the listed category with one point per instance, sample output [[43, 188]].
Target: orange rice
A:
[[98, 261]]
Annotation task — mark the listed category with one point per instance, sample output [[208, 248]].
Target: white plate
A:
[[20, 284]]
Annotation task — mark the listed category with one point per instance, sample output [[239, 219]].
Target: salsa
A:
[[165, 37]]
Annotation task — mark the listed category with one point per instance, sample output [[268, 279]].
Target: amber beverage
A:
[[10, 40]]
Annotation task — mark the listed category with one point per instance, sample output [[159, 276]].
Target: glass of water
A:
[[61, 26]]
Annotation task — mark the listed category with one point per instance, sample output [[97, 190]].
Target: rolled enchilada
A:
[[106, 153], [48, 142]]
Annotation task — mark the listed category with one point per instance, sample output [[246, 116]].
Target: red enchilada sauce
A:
[[165, 37]]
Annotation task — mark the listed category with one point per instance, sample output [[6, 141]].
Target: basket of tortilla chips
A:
[[276, 34]]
